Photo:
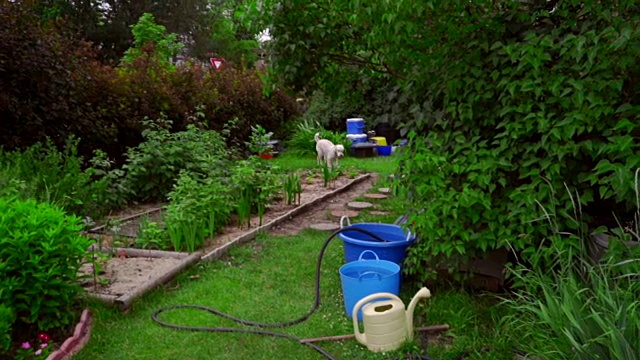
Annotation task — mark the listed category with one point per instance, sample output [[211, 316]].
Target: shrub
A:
[[44, 173], [42, 250], [53, 86], [152, 168], [7, 318], [48, 83], [511, 119]]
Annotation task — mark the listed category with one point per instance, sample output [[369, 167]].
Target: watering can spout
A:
[[423, 293]]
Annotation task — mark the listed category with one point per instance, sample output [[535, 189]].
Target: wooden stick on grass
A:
[[433, 328]]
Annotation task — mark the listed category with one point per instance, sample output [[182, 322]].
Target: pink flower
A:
[[38, 352], [25, 345], [44, 337], [43, 345]]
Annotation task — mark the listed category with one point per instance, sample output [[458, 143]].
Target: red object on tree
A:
[[217, 63]]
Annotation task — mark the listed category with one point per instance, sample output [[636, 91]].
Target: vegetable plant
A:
[[292, 188], [199, 207]]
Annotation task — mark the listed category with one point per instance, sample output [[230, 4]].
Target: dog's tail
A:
[[317, 137]]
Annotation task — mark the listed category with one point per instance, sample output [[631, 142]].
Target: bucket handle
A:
[[408, 235], [342, 219], [371, 251], [369, 272]]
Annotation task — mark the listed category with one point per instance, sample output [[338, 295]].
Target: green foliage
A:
[[292, 188], [302, 140], [70, 92], [255, 183], [225, 43], [152, 168], [587, 311], [147, 33], [259, 140], [42, 251], [7, 318], [150, 235], [502, 97], [199, 207], [44, 173]]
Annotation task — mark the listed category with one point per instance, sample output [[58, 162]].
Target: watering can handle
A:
[[366, 251], [369, 272], [342, 219], [361, 303]]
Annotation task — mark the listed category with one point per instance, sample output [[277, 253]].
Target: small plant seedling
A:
[[149, 236], [292, 188], [326, 175]]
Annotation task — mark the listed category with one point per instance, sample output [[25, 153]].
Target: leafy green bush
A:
[[44, 173], [254, 184], [302, 140], [146, 32], [152, 168], [7, 318], [42, 250], [513, 120], [70, 92], [199, 207]]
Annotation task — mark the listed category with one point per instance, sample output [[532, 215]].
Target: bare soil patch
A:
[[120, 275]]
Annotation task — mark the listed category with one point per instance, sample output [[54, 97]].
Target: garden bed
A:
[[127, 224], [127, 272]]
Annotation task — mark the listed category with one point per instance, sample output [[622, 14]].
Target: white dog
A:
[[327, 152]]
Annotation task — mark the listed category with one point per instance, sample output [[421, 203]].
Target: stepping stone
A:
[[375, 212], [348, 213], [375, 196], [359, 205], [384, 190], [326, 226]]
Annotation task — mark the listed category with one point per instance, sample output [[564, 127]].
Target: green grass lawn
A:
[[383, 165], [271, 280]]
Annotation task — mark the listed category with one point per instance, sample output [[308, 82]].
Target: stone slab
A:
[[375, 196], [359, 205], [326, 226]]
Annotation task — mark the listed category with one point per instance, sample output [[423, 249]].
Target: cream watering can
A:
[[386, 323]]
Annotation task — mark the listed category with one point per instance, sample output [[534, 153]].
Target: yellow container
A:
[[382, 141]]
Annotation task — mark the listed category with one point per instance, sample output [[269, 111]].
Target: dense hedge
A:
[[538, 124], [51, 85]]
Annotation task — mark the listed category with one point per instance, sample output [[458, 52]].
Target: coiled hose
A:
[[314, 307]]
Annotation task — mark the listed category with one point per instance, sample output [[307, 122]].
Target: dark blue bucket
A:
[[355, 126], [365, 277], [394, 249]]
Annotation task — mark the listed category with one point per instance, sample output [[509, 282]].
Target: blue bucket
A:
[[357, 138], [384, 150], [355, 126], [394, 249], [365, 277]]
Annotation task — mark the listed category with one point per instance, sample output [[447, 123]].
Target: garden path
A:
[[322, 212]]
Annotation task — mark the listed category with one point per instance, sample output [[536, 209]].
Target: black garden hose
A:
[[314, 307]]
